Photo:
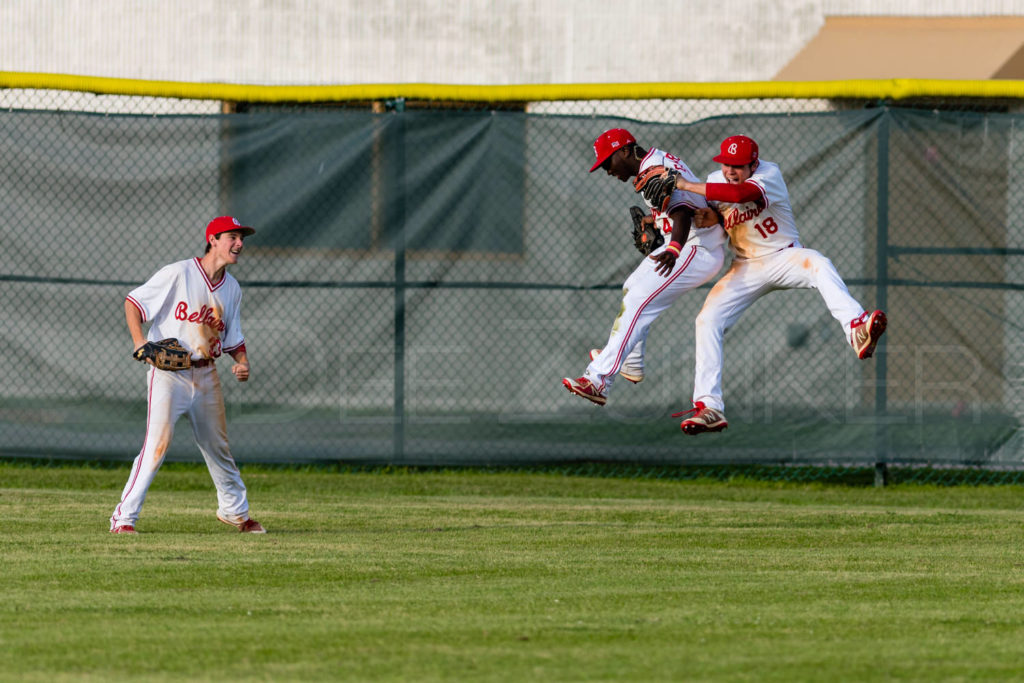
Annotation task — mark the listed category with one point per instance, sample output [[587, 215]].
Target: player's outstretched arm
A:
[[687, 186], [734, 193]]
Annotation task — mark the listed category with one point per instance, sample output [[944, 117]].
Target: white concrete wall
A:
[[478, 42]]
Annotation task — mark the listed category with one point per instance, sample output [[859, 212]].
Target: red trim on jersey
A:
[[619, 357], [736, 194], [213, 287], [137, 305], [234, 349]]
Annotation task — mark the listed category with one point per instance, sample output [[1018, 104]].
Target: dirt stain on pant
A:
[[161, 449]]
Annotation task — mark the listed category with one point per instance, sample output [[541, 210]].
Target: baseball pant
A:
[[645, 295], [196, 393], [746, 281]]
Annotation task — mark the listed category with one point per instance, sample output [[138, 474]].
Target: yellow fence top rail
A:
[[893, 89]]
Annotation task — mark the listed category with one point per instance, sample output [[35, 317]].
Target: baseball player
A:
[[197, 302], [752, 203], [692, 257]]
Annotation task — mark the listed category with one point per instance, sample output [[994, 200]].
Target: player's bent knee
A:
[[820, 262], [707, 323]]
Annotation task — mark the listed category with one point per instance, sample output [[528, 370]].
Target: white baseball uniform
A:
[[182, 302], [768, 256], [646, 293]]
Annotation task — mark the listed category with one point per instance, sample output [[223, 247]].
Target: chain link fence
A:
[[424, 273]]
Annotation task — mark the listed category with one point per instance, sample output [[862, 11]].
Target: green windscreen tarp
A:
[[421, 280]]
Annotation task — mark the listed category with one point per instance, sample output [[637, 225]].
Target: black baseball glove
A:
[[646, 237], [656, 184], [166, 354]]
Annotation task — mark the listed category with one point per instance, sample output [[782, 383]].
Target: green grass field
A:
[[508, 577]]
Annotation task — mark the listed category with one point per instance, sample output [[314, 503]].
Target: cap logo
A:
[[733, 148]]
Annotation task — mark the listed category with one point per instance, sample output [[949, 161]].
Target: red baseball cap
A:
[[609, 142], [226, 224], [737, 150]]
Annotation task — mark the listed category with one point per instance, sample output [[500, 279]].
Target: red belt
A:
[[202, 362]]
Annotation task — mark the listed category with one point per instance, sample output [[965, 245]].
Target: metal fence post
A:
[[881, 296], [399, 246]]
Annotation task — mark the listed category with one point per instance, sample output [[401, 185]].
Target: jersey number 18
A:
[[769, 227]]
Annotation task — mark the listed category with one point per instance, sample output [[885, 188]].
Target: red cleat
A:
[[866, 332], [585, 388], [704, 419], [249, 526]]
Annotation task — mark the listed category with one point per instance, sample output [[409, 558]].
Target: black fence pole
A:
[[881, 298], [398, 235]]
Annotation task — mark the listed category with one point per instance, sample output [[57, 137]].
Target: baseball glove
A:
[[166, 354], [656, 183], [646, 237]]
